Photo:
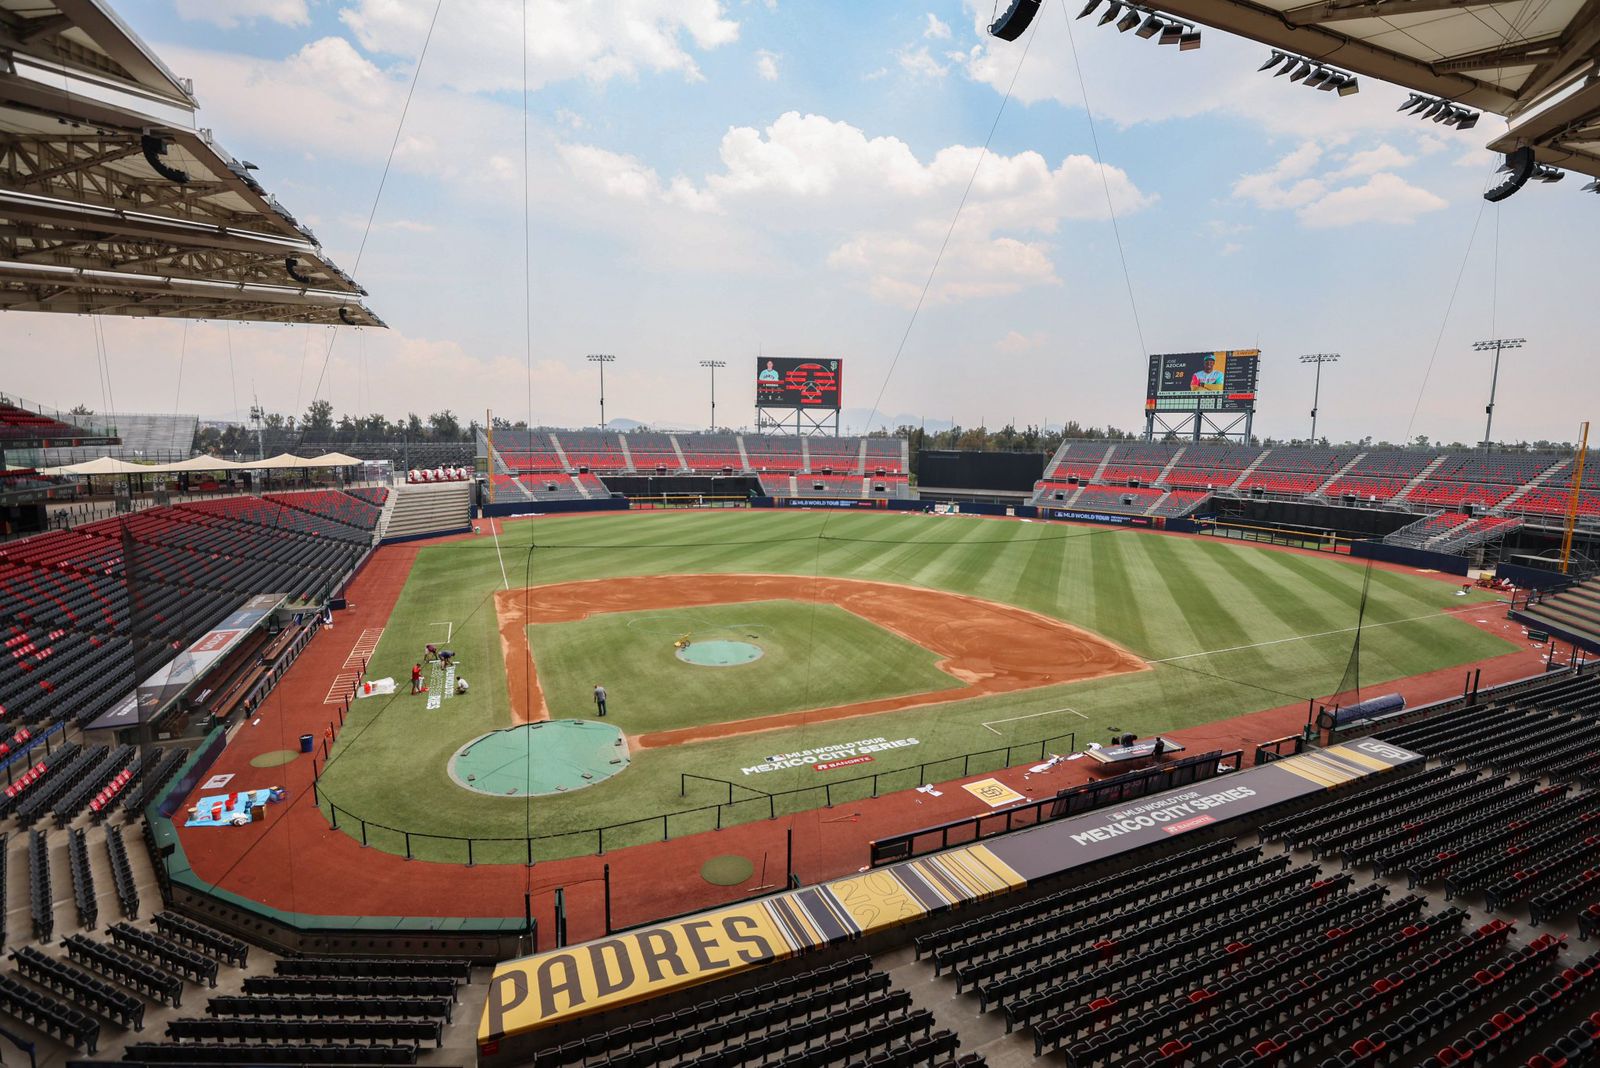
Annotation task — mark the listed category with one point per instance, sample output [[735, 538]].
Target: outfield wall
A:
[[529, 997]]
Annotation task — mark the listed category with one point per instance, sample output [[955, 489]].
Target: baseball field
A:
[[782, 650]]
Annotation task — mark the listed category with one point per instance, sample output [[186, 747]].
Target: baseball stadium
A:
[[798, 743]]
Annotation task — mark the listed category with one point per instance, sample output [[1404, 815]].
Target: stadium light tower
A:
[[713, 365], [1494, 378], [602, 358], [1318, 358]]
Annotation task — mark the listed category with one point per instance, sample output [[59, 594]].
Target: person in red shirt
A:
[[416, 678]]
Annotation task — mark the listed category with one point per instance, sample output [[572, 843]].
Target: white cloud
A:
[[767, 65], [920, 63], [1016, 341], [230, 13], [570, 119], [476, 44], [1231, 248], [1383, 158], [937, 29], [1321, 201], [1384, 198]]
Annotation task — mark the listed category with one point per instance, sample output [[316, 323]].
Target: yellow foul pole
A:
[[1572, 499]]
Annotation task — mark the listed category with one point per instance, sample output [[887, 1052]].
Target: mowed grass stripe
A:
[[1134, 587]]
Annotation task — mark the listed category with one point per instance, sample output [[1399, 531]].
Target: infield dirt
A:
[[992, 648]]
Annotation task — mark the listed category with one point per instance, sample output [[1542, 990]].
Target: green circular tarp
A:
[[553, 757]]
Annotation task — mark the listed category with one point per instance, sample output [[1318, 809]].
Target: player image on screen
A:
[[1208, 379], [768, 373]]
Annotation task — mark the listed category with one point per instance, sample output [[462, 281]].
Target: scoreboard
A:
[[1220, 381], [805, 382]]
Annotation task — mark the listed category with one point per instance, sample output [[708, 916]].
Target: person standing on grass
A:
[[600, 699], [416, 678]]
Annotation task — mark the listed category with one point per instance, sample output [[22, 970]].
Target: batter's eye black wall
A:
[[949, 469]]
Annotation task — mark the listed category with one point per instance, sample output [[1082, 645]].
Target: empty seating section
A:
[[19, 424], [1141, 463], [838, 454], [713, 452], [313, 1011], [842, 1014], [1295, 471], [65, 602], [1478, 478], [1380, 474], [373, 495], [1180, 502], [1204, 467], [1554, 502], [122, 873], [521, 451], [768, 453], [344, 508], [650, 450], [1076, 459], [887, 454], [596, 450]]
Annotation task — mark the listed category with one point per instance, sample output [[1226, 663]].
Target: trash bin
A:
[[306, 743]]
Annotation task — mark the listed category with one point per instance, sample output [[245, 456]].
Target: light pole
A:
[[602, 358], [1494, 379], [713, 365], [1318, 358]]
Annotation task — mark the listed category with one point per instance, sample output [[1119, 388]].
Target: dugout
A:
[[951, 475]]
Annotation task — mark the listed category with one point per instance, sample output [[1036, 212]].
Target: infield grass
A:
[[813, 656], [1230, 628]]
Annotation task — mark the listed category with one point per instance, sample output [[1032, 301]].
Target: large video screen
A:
[[787, 382], [1210, 381]]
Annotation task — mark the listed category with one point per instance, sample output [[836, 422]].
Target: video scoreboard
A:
[[1221, 381], [789, 382]]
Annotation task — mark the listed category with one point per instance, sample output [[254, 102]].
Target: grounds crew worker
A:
[[600, 698]]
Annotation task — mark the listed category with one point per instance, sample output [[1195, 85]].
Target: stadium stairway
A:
[[1249, 470], [683, 462], [1574, 611], [430, 508], [1337, 475], [1529, 486], [1420, 477], [123, 978]]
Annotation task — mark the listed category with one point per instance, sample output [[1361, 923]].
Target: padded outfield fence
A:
[[752, 805]]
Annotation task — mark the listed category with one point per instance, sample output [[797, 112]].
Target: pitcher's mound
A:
[[719, 653]]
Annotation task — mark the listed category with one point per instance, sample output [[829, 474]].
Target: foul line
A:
[[1032, 715], [1323, 634], [450, 630], [494, 528]]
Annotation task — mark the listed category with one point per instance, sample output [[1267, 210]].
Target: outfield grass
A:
[[1231, 628], [813, 656]]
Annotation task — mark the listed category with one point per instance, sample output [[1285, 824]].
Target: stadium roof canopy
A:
[[113, 201], [1534, 62]]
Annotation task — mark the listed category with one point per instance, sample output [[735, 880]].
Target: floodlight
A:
[[1301, 71], [1412, 99], [1319, 79], [1546, 173], [1150, 27], [1189, 42], [1128, 21], [1111, 13], [1172, 33], [1350, 86], [1088, 9], [1592, 187], [1272, 61], [1468, 121]]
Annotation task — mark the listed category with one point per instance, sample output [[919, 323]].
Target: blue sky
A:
[[712, 179]]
